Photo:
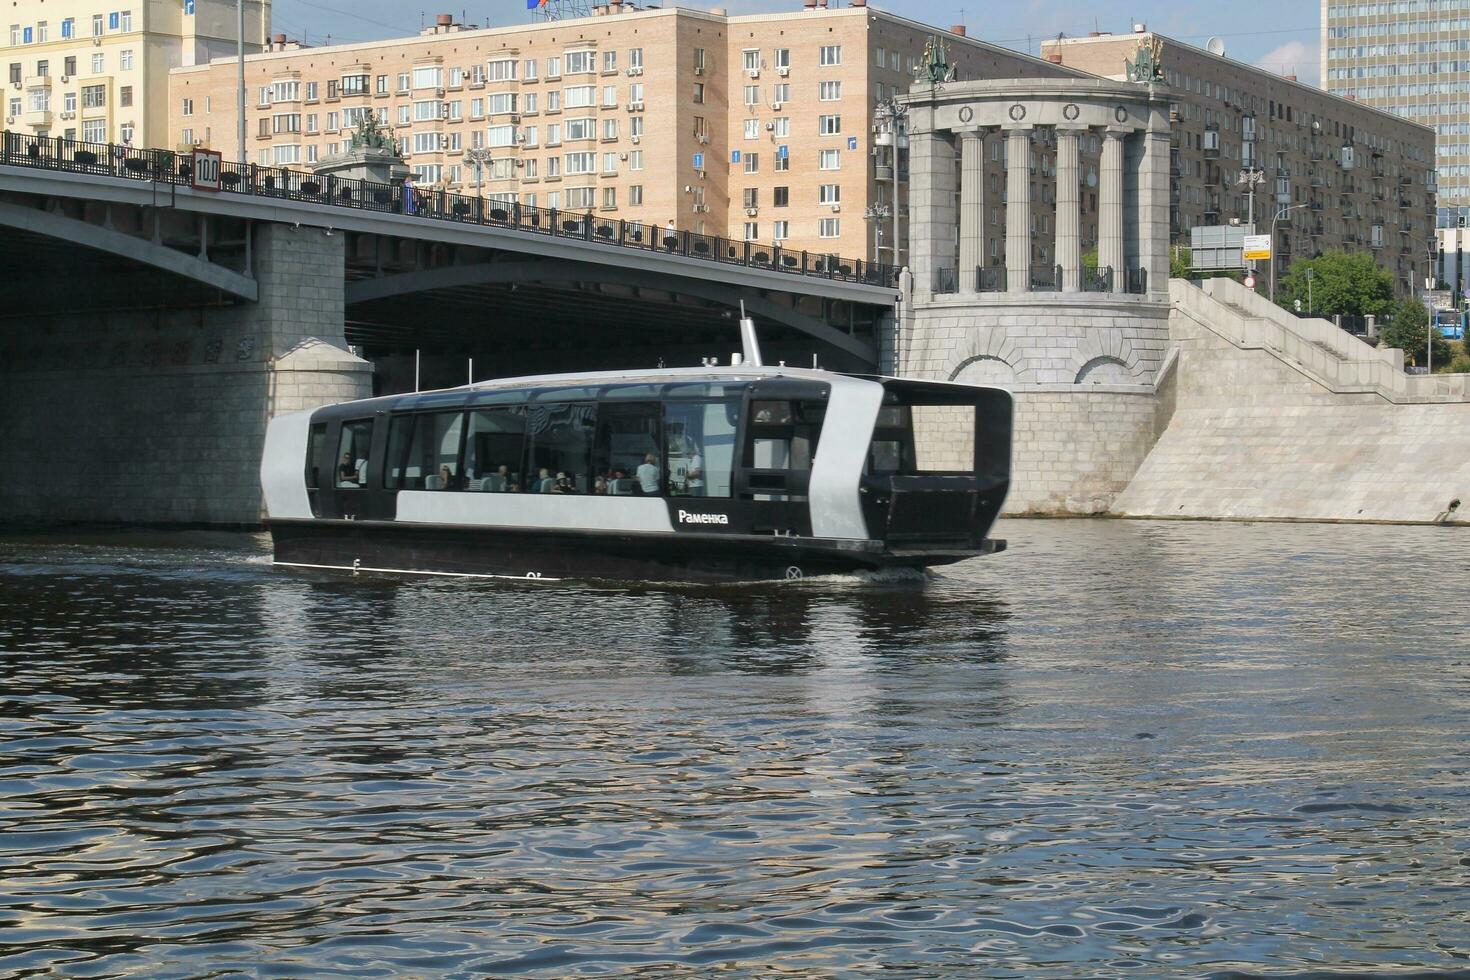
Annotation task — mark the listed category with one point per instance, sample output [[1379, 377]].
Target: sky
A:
[[1280, 35]]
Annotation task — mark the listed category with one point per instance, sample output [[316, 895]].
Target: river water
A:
[[1119, 747]]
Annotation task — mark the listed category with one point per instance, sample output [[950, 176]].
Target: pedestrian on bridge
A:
[[410, 196]]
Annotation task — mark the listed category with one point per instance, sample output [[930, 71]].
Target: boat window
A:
[[784, 434], [352, 453], [626, 454], [699, 449], [559, 458], [423, 451], [314, 439], [494, 448], [891, 452]]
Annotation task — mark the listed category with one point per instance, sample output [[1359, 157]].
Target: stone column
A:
[[1153, 210], [1018, 210], [1069, 209], [972, 208], [931, 206], [1110, 210]]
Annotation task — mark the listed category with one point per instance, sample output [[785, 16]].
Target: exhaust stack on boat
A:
[[749, 343]]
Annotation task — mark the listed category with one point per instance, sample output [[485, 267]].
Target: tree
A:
[[1180, 263], [1408, 330], [1348, 283]]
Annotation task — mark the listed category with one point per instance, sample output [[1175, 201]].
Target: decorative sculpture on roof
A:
[[1148, 68], [370, 135], [935, 68]]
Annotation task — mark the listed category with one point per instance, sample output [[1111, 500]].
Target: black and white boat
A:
[[745, 472]]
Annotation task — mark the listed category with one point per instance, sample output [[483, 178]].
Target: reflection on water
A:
[[1119, 746]]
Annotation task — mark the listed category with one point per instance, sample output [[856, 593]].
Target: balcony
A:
[[1405, 203], [38, 81]]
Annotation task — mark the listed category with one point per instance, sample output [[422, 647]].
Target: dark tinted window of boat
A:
[[559, 455], [699, 447], [784, 434], [314, 440], [353, 452], [627, 443], [494, 449], [892, 450], [423, 451]]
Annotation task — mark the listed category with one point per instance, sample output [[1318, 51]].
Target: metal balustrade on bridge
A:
[[1042, 279], [170, 168]]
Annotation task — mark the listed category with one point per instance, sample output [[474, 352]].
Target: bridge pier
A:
[[158, 415]]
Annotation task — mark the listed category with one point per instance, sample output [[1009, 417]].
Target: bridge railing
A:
[[168, 167]]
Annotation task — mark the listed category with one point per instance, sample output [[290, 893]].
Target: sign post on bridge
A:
[[204, 170]]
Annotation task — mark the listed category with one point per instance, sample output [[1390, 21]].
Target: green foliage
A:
[[1408, 330], [1089, 259], [1342, 282], [1459, 364], [1180, 263]]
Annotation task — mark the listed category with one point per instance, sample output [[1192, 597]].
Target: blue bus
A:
[[1450, 323]]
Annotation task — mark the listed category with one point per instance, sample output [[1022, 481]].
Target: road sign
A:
[[699, 161], [783, 151], [852, 142], [204, 170], [1250, 282], [734, 156], [1257, 247]]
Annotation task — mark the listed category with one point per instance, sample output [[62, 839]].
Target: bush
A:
[[1460, 364], [1408, 330]]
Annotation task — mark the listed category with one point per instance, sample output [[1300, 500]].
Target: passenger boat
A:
[[745, 472]]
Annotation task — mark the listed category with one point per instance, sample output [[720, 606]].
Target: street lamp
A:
[[1286, 210], [1310, 273], [479, 158], [240, 74], [890, 128], [1250, 177], [876, 213]]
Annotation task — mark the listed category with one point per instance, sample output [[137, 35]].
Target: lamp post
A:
[[1310, 273], [890, 129], [876, 213], [1286, 210], [479, 158], [240, 74], [1250, 177]]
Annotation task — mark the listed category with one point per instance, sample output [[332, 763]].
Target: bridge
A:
[[138, 301]]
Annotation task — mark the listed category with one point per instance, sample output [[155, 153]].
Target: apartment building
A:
[[98, 71], [1413, 60], [757, 127], [1355, 176]]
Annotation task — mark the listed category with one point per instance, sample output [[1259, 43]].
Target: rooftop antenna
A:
[[749, 344]]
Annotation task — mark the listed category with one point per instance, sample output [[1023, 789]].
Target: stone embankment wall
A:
[[1282, 418], [160, 418]]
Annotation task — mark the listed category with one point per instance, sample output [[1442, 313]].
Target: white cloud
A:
[[1293, 58]]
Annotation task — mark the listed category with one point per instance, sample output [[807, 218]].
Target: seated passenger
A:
[[446, 478], [599, 486], [347, 472], [562, 484], [648, 475]]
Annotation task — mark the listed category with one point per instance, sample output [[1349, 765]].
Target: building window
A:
[[610, 129], [829, 194], [69, 102], [43, 32], [186, 136], [125, 21], [781, 94], [69, 27], [427, 111], [635, 58], [427, 142], [752, 231], [609, 198], [579, 62], [609, 61], [782, 164], [609, 96], [699, 93], [380, 85], [405, 115], [504, 70], [580, 96], [43, 68], [580, 163], [830, 125], [354, 85], [553, 134], [783, 58], [94, 96], [635, 194], [38, 100], [96, 30], [431, 76], [635, 162], [699, 61], [553, 101], [553, 67], [94, 130], [530, 137], [752, 129], [752, 95], [830, 228], [500, 136], [781, 127], [99, 64], [69, 65], [286, 122], [287, 153], [829, 91], [750, 59], [499, 103], [311, 90], [782, 231], [635, 126], [528, 102], [580, 197], [581, 129], [831, 54], [830, 160], [752, 163]]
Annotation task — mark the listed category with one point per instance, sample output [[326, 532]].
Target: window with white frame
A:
[[829, 125], [752, 163], [502, 169], [580, 197], [426, 111], [781, 94], [635, 93], [635, 195], [311, 121], [781, 127], [609, 198], [286, 91], [578, 62], [609, 61], [829, 91], [610, 128], [381, 85], [532, 136], [405, 115], [752, 129], [94, 130], [125, 21], [781, 231], [635, 126], [531, 170], [829, 160], [581, 128], [752, 95], [428, 173], [286, 153], [99, 64], [456, 110], [504, 70], [830, 228], [553, 167], [752, 231], [829, 194], [456, 78], [353, 85], [782, 58], [311, 90], [286, 122], [125, 60], [609, 96], [500, 136], [580, 96], [477, 108], [553, 134], [405, 82], [530, 70], [635, 58], [430, 76], [580, 163], [501, 102], [477, 74], [96, 32], [427, 142], [750, 59], [311, 153], [881, 60], [609, 163], [38, 100], [553, 101], [831, 54], [186, 107], [456, 140], [553, 199], [635, 161], [528, 102]]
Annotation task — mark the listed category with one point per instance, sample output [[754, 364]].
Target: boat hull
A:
[[535, 553]]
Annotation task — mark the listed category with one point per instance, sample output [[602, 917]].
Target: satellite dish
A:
[[1216, 47]]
